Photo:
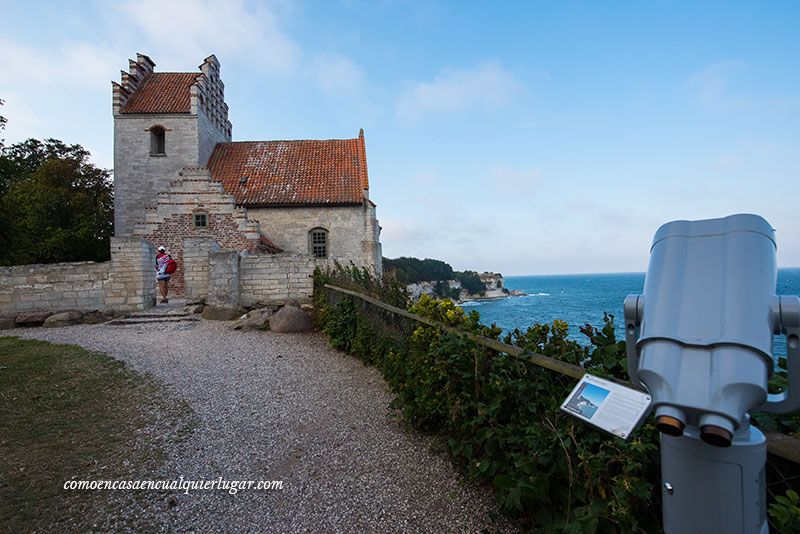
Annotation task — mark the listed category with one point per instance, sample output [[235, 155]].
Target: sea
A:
[[581, 299]]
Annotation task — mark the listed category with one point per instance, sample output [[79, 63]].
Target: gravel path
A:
[[287, 407]]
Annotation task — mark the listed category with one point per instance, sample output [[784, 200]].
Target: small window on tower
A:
[[201, 220], [318, 242], [158, 146]]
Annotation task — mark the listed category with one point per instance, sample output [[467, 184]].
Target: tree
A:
[[471, 282], [54, 205]]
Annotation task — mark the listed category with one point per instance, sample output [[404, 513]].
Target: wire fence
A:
[[783, 463]]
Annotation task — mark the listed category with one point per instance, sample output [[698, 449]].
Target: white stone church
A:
[[179, 178]]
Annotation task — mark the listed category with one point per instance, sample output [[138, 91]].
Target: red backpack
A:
[[172, 266]]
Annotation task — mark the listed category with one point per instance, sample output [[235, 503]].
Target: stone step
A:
[[154, 320], [151, 315]]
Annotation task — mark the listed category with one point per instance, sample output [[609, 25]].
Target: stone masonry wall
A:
[[125, 283], [132, 283], [276, 278], [196, 267], [55, 287], [352, 230], [223, 279], [138, 176]]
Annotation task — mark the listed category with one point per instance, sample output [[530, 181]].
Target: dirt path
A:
[[287, 407]]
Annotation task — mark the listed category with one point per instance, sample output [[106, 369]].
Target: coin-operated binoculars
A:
[[700, 341]]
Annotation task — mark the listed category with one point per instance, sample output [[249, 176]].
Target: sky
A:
[[515, 137]]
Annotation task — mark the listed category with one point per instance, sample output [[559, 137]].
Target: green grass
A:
[[66, 413]]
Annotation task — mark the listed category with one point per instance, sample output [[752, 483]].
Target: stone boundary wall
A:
[[267, 279], [126, 283], [55, 287], [196, 266]]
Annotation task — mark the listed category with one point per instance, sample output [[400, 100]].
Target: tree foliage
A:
[[411, 270], [471, 282], [54, 205]]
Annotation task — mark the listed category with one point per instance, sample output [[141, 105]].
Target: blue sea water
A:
[[582, 298]]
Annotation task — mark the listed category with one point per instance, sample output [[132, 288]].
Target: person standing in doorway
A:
[[162, 276]]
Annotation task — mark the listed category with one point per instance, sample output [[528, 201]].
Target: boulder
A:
[[193, 309], [222, 313], [32, 318], [66, 318], [254, 320], [290, 319], [97, 317], [7, 323]]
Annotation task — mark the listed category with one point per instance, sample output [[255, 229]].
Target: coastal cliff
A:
[[493, 288]]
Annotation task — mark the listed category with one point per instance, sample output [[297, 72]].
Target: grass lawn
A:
[[67, 413]]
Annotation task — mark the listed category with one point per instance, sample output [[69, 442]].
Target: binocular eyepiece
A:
[[711, 434]]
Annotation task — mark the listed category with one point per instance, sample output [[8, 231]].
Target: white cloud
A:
[[74, 64], [488, 85], [183, 32], [521, 180], [336, 74], [711, 86]]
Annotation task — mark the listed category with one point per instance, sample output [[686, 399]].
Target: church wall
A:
[[350, 230], [138, 176]]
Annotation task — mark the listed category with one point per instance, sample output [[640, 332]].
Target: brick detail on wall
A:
[[171, 221]]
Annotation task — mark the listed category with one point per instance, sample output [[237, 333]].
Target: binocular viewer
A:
[[700, 337]]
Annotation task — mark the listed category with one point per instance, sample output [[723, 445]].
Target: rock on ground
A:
[[66, 318], [286, 407], [32, 318], [290, 319]]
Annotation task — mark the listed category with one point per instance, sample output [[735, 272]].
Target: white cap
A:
[[162, 248]]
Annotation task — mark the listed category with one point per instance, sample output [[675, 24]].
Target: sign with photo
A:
[[609, 406]]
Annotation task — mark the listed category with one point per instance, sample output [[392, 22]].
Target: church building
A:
[[178, 174]]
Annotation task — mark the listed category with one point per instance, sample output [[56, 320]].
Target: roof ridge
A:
[[286, 141]]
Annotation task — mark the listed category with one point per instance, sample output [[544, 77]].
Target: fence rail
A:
[[778, 444]]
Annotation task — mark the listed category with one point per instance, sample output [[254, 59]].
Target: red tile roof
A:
[[162, 92], [270, 173], [265, 244]]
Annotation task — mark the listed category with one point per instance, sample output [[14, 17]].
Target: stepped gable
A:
[[143, 91], [162, 92], [286, 173]]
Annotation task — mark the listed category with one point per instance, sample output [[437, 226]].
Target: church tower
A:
[[163, 122]]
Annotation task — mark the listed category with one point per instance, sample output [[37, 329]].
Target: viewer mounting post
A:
[[699, 339]]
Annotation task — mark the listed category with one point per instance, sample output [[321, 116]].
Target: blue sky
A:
[[520, 137]]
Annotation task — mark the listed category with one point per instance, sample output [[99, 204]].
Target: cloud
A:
[[336, 74], [488, 85], [74, 64], [711, 86], [186, 31], [522, 180]]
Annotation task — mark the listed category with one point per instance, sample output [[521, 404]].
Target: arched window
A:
[[158, 145], [318, 242]]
